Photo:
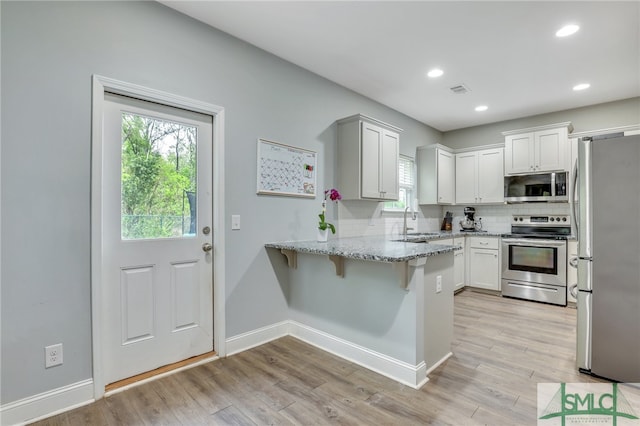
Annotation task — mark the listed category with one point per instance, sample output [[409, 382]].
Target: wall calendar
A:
[[286, 170]]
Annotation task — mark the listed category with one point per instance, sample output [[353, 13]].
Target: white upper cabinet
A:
[[539, 149], [466, 174], [480, 176], [436, 174], [368, 152]]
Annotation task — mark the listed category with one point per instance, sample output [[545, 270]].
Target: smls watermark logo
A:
[[588, 403]]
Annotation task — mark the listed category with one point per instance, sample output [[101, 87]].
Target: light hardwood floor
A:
[[502, 348]]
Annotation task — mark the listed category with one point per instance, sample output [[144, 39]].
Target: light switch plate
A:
[[235, 222]]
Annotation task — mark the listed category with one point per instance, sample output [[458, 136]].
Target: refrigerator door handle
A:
[[583, 340], [585, 223], [584, 275], [573, 290], [573, 262], [574, 213]]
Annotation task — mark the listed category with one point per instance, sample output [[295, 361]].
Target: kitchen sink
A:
[[412, 240], [418, 237]]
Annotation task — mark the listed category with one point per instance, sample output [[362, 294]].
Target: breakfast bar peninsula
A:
[[384, 304]]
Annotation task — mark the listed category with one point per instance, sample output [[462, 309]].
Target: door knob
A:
[[206, 247]]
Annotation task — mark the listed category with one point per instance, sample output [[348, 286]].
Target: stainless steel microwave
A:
[[534, 188]]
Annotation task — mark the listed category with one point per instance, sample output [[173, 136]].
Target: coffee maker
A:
[[468, 223]]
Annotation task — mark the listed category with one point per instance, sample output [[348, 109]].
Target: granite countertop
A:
[[378, 248]]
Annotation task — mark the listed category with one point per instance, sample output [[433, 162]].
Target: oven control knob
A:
[[521, 219], [557, 219], [564, 219], [551, 219]]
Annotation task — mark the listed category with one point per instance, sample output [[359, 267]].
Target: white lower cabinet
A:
[[459, 266], [484, 263]]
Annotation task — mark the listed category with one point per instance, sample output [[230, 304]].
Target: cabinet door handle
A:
[[484, 243]]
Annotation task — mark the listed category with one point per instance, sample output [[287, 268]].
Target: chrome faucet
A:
[[404, 226]]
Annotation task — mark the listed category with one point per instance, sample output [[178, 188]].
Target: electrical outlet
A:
[[53, 355], [438, 283]]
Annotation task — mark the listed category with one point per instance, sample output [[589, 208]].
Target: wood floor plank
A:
[[195, 382], [244, 370], [177, 399], [244, 398], [231, 416], [358, 408], [311, 405], [94, 415], [121, 409]]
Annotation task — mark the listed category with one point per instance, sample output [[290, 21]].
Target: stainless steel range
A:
[[534, 258]]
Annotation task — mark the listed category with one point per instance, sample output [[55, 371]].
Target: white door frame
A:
[[100, 86]]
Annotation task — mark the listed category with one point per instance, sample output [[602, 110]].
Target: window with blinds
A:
[[407, 180]]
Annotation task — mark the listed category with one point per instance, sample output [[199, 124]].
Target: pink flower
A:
[[333, 194]]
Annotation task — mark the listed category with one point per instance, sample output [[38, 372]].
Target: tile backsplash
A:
[[358, 218]]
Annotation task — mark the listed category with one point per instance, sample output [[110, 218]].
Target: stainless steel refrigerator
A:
[[608, 226]]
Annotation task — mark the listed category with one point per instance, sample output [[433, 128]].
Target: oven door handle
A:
[[532, 242]]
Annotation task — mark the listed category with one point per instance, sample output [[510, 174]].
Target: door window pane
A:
[[158, 178]]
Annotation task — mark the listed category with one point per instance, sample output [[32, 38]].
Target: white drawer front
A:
[[484, 242]]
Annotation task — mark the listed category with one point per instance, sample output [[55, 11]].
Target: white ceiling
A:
[[506, 53]]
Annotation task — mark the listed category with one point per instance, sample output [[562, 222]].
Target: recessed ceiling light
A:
[[581, 86], [480, 108], [436, 72], [567, 30]]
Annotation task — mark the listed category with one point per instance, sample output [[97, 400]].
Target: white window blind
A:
[[407, 181], [405, 166]]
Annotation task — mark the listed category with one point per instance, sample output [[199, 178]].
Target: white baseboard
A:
[[414, 376], [47, 404], [437, 364], [257, 337]]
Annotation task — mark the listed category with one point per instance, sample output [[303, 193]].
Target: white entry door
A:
[[156, 235]]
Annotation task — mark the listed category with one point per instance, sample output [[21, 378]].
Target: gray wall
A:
[[49, 52], [602, 116]]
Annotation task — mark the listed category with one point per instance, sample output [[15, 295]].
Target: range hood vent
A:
[[459, 89]]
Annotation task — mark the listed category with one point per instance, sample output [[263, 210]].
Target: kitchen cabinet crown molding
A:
[[586, 133], [362, 117], [461, 150], [566, 124], [478, 148], [436, 146]]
